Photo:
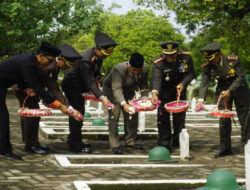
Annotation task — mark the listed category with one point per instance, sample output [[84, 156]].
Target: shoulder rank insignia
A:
[[92, 59], [158, 60], [185, 52], [204, 64], [232, 58]]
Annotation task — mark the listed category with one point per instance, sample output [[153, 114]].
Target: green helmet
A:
[[121, 129], [87, 115], [98, 122], [160, 154], [221, 180]]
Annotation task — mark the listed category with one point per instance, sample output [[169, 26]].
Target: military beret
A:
[[209, 51], [169, 47], [136, 60], [69, 52], [103, 40], [49, 49]]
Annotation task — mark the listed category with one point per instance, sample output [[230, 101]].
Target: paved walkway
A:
[[48, 172]]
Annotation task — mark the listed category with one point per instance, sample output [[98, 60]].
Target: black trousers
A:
[[29, 125], [77, 102], [241, 101], [164, 124], [5, 146]]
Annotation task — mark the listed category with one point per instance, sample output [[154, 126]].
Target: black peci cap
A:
[[136, 60], [69, 52], [103, 40], [209, 51], [48, 49]]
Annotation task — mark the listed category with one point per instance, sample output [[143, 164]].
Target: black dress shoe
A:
[[223, 153], [85, 144], [10, 156], [81, 149], [44, 147], [135, 146], [117, 150], [86, 150], [35, 150]]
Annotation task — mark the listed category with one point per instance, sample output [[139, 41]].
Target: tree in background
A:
[[137, 31], [24, 23], [227, 21]]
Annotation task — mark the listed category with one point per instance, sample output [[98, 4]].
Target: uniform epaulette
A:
[[185, 52], [204, 64], [232, 58], [158, 60], [92, 59]]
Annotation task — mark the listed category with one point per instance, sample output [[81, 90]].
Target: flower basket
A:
[[226, 113], [90, 96], [222, 113], [176, 106], [144, 104], [27, 112]]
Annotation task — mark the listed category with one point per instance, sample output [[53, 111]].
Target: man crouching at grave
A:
[[120, 86]]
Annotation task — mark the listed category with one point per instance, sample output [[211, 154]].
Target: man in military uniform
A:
[[84, 78], [232, 86], [120, 86], [22, 70], [172, 71], [48, 74]]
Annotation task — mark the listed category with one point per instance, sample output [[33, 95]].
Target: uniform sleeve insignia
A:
[[232, 58], [185, 52], [92, 59], [158, 60]]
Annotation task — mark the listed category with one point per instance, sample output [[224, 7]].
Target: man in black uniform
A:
[[83, 78], [232, 86], [48, 75], [172, 71], [22, 69]]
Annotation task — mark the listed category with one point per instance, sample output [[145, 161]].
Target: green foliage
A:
[[227, 21], [24, 23], [137, 31]]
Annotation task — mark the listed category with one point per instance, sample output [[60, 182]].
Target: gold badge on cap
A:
[[169, 46], [205, 53]]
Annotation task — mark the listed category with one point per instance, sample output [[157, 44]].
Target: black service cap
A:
[[69, 52], [169, 47], [209, 51], [103, 40], [215, 46]]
